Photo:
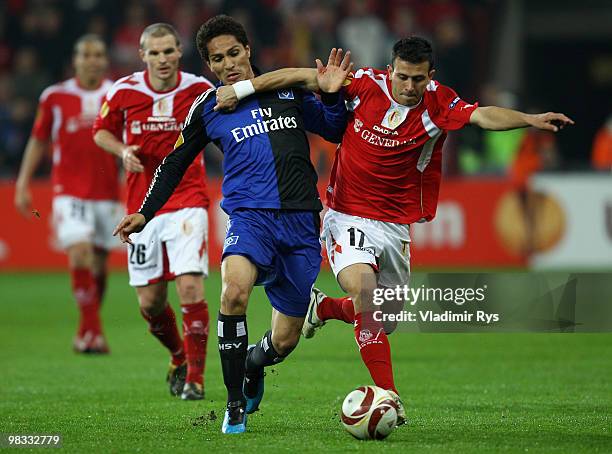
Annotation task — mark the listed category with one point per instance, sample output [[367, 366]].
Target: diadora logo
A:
[[384, 130], [231, 240], [229, 346], [454, 102], [285, 94], [358, 125]]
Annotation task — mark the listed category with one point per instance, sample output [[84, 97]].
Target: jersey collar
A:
[[178, 82]]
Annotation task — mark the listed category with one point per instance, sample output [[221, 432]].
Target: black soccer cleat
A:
[[235, 419], [253, 385], [176, 378]]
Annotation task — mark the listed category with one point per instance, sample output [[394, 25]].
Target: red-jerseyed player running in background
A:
[[386, 175], [149, 108], [85, 182]]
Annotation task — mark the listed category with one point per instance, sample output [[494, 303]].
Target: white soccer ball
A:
[[369, 413]]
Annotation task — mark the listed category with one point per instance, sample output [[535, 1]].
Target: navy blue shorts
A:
[[284, 245]]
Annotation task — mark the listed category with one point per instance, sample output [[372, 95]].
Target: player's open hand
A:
[[550, 121], [331, 77], [131, 163], [23, 200], [226, 98], [129, 224]]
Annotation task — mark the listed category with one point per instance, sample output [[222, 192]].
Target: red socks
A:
[[374, 349], [163, 326], [195, 332], [370, 336], [336, 309], [86, 295]]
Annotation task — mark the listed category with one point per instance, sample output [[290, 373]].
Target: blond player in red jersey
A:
[[386, 175], [85, 182], [148, 109]]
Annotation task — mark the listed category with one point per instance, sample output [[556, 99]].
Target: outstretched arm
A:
[[34, 152], [328, 79], [501, 119]]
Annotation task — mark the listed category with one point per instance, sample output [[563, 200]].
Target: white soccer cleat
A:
[[401, 411], [312, 322], [90, 343]]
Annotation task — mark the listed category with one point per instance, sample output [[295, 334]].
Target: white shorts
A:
[[383, 245], [171, 244], [91, 221]]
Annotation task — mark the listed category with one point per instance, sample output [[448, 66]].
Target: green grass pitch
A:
[[463, 392]]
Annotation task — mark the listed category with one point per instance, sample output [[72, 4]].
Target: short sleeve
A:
[[355, 81], [451, 112], [44, 119], [110, 116]]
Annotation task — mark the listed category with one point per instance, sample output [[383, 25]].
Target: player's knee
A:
[[190, 290], [362, 296], [234, 298], [80, 256], [360, 287], [152, 304], [98, 266]]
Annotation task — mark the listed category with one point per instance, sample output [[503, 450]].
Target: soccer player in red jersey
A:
[[386, 175], [148, 108], [85, 182]]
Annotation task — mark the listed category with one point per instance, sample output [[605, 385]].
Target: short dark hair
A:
[[217, 26], [414, 50], [88, 38], [159, 30]]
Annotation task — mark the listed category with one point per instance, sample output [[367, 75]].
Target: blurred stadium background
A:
[[517, 200], [510, 199]]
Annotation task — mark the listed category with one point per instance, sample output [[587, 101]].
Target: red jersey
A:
[[388, 166], [66, 113], [139, 114]]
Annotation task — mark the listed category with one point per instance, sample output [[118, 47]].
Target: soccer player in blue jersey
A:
[[269, 191]]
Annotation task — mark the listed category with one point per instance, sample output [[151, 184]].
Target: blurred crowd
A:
[[36, 39]]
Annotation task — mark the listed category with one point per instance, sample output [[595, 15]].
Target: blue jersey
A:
[[266, 160]]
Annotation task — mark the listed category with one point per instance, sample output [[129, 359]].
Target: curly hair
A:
[[217, 26]]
